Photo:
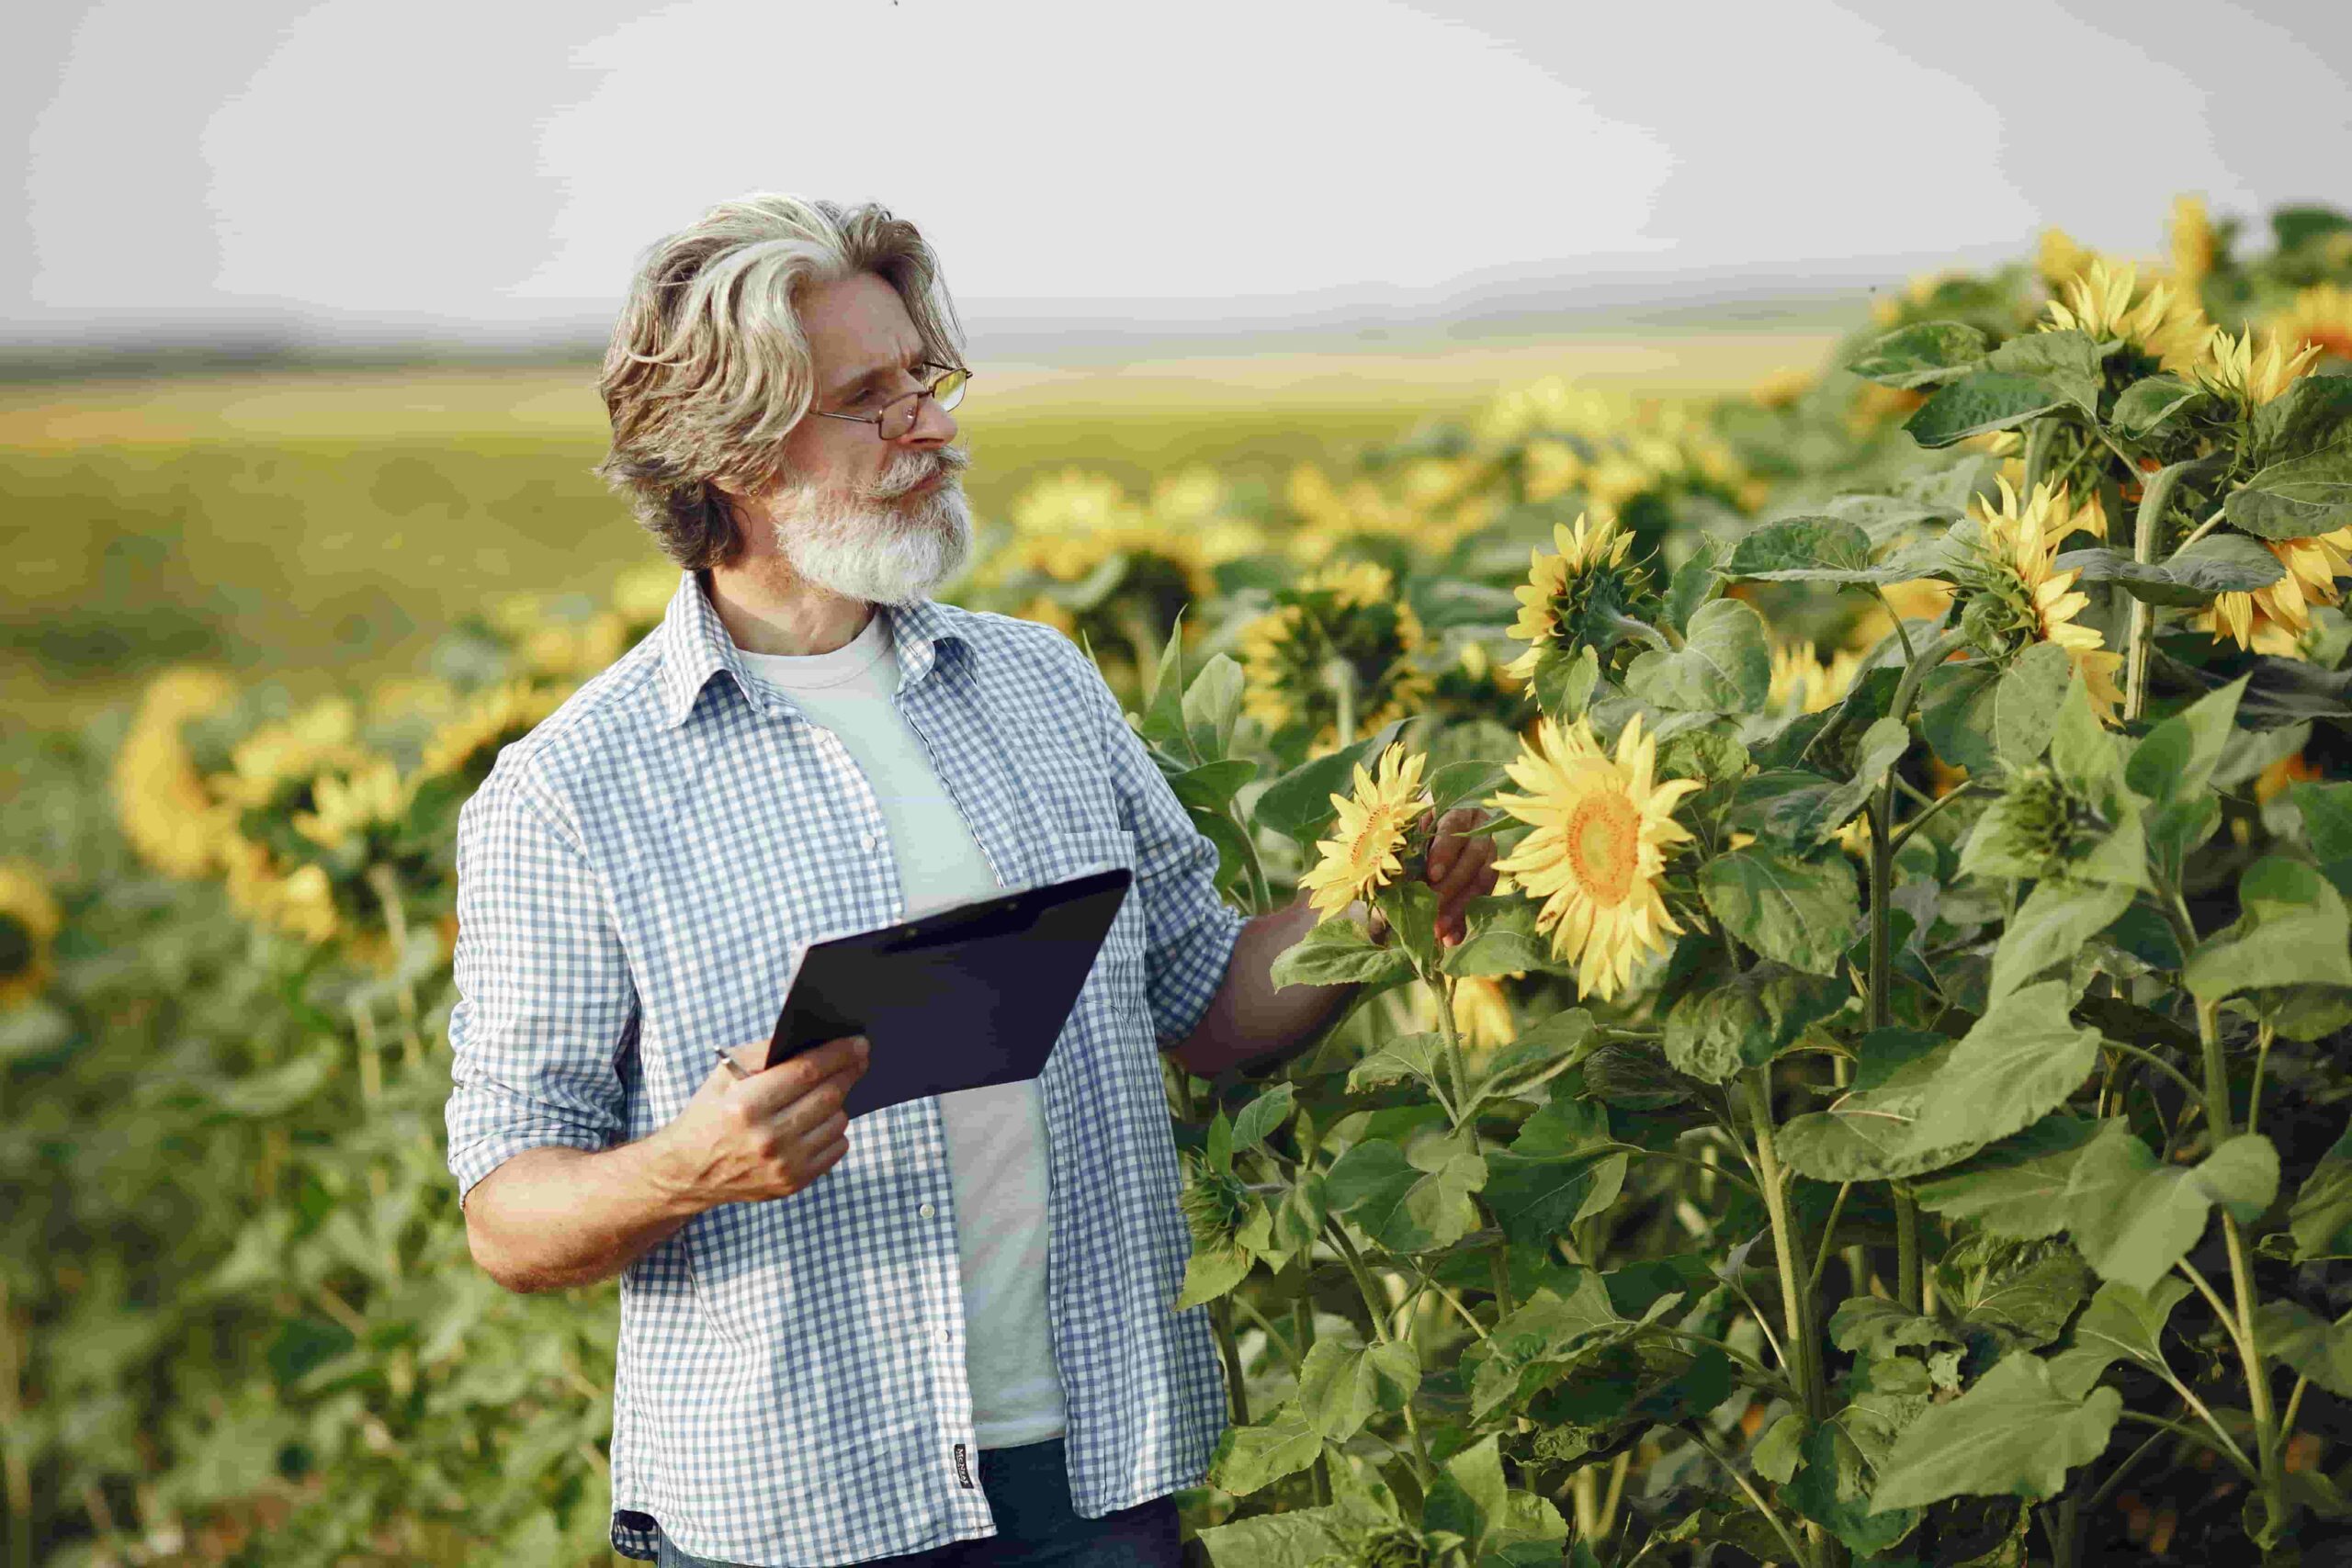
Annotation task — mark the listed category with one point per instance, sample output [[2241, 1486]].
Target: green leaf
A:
[[1163, 716], [2147, 405], [2296, 497], [1980, 401], [1342, 1384], [1801, 912], [1211, 1272], [2291, 931], [1419, 1055], [2321, 1218], [2027, 701], [2015, 1187], [2051, 927], [1212, 702], [2120, 1324], [1458, 783], [1959, 704], [1570, 1033], [1875, 754], [1564, 684], [2132, 1218], [2172, 766], [2066, 359], [1694, 583], [1925, 354], [2018, 1064], [1801, 549], [1725, 664], [1212, 785], [2027, 1306], [1335, 953], [1248, 1458], [1712, 1033], [1402, 1207], [1866, 1135], [1263, 1115], [1469, 1496], [2011, 1435], [2312, 1347]]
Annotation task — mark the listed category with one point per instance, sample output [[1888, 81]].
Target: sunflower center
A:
[[1604, 845], [1382, 828]]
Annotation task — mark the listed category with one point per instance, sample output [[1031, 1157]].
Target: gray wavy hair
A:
[[708, 370]]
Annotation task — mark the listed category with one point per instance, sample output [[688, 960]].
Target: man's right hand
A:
[[767, 1136]]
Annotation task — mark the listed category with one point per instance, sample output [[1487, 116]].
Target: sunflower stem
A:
[[1342, 677], [2147, 533]]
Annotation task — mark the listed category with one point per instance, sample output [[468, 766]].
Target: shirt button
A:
[[873, 840], [944, 1336], [926, 1210]]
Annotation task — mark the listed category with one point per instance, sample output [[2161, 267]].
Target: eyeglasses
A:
[[897, 415]]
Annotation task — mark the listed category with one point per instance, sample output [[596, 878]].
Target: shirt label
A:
[[962, 1474]]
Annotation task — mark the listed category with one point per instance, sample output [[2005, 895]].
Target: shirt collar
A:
[[694, 645]]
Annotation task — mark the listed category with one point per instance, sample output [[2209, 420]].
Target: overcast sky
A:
[[384, 170]]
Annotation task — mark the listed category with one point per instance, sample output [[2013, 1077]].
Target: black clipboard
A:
[[968, 995]]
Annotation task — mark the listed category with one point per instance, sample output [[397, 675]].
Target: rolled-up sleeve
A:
[[546, 1007], [1189, 929]]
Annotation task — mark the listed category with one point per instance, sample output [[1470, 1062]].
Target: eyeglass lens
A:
[[899, 417]]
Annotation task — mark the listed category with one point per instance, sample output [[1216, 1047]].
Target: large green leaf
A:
[[1924, 353], [1344, 1382], [2132, 1218], [1980, 401], [2320, 1217], [2019, 1063], [2121, 1324], [1801, 549], [2051, 927], [2219, 563], [2011, 1435], [1717, 1031], [2172, 765], [2300, 496], [1249, 1458], [2017, 1187], [1725, 664], [2067, 360], [2291, 929], [1403, 1207], [2314, 1347], [1335, 953], [1801, 912], [1299, 803]]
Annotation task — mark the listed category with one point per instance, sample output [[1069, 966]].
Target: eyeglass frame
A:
[[875, 418]]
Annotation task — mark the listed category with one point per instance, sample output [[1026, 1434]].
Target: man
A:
[[950, 1323]]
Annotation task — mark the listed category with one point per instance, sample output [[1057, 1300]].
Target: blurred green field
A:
[[321, 524]]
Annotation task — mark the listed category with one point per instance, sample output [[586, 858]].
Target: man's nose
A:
[[933, 425]]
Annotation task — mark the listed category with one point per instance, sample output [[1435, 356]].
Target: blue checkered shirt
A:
[[635, 879]]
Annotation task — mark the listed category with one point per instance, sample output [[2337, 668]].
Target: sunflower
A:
[[2059, 260], [2190, 235], [1572, 594], [1348, 611], [28, 922], [2021, 541], [2232, 369], [1782, 387], [170, 817], [2166, 322], [1374, 824], [1481, 1010], [2321, 314], [351, 801], [2272, 619], [1601, 830], [467, 745], [1803, 684]]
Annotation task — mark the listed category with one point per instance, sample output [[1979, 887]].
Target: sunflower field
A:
[[1894, 1107]]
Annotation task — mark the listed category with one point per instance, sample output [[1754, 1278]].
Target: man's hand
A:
[[1460, 869], [766, 1136]]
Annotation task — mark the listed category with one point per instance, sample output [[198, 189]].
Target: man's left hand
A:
[[1460, 869]]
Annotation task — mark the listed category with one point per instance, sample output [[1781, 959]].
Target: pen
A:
[[730, 1064]]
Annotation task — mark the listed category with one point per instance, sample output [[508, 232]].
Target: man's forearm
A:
[[1253, 1023], [554, 1218]]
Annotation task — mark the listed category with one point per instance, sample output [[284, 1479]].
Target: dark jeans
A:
[[1028, 1490]]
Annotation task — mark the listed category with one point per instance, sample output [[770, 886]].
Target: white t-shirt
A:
[[996, 1134]]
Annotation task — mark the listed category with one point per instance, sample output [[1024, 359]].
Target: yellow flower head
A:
[[1374, 823], [2022, 541], [349, 803], [2166, 322], [1348, 609], [468, 743], [2321, 314], [2060, 260], [2191, 237], [2272, 619], [1601, 830], [29, 922], [1589, 573], [1803, 684], [2232, 369]]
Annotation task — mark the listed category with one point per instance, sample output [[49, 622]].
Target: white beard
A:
[[890, 552]]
